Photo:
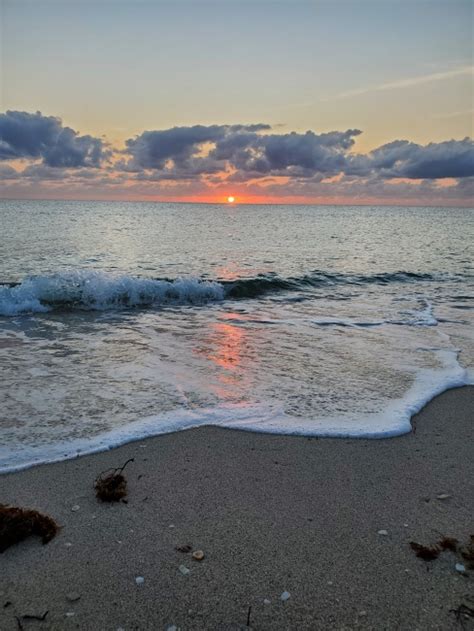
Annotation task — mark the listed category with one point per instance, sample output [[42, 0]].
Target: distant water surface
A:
[[121, 320]]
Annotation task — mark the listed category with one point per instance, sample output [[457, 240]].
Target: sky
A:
[[338, 101]]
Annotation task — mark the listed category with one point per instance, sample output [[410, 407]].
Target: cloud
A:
[[210, 160], [153, 149], [404, 159], [294, 154], [34, 136], [245, 153], [177, 152]]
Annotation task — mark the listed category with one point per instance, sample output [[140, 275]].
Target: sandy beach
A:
[[272, 514]]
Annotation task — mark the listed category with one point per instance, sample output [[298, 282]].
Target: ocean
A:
[[120, 320]]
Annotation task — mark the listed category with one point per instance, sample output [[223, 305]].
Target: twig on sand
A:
[[29, 617], [35, 617], [462, 612], [468, 553], [248, 615]]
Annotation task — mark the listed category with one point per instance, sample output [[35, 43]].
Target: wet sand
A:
[[271, 513]]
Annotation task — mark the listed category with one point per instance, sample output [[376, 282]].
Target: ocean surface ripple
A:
[[124, 320]]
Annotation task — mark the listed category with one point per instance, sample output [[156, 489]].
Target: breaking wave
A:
[[92, 290], [99, 291]]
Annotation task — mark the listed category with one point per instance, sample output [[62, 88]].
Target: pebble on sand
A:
[[384, 533], [139, 580], [198, 555], [285, 596], [184, 570], [460, 568]]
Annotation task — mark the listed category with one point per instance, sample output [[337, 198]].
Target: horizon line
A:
[[234, 204]]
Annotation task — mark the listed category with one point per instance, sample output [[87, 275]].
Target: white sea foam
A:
[[92, 290], [393, 420], [413, 317]]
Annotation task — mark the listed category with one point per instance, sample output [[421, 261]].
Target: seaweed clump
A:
[[113, 486], [16, 524], [430, 553], [449, 543], [427, 553]]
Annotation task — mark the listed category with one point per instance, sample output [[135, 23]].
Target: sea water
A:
[[123, 320]]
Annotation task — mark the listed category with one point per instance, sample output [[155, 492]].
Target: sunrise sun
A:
[[230, 199]]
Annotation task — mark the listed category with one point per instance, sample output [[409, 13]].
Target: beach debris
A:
[[285, 596], [17, 524], [113, 486], [73, 596], [467, 553], [139, 580], [184, 548], [443, 496], [266, 601], [383, 533], [427, 553], [184, 570], [198, 555], [459, 567], [75, 508], [464, 611], [35, 616], [448, 543]]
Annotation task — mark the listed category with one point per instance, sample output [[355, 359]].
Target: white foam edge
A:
[[393, 421]]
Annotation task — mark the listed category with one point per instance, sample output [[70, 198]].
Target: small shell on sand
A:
[[198, 555]]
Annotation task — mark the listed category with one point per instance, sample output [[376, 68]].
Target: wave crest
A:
[[100, 291], [93, 290]]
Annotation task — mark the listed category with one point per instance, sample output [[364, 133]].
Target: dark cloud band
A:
[[24, 135], [205, 157]]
